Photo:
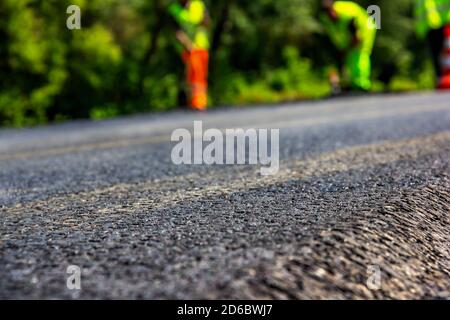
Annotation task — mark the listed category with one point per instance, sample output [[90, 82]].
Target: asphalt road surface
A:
[[360, 207]]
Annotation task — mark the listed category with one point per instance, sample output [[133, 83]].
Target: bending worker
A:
[[432, 19], [193, 19], [347, 25]]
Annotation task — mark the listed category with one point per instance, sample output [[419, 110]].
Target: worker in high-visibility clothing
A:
[[432, 16], [193, 18], [348, 26]]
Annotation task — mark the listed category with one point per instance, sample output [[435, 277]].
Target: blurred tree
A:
[[123, 60]]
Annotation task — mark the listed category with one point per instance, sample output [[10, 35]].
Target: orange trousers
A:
[[196, 62], [444, 81]]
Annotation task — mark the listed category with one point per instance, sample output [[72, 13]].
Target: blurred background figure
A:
[[125, 59], [346, 23], [193, 20], [433, 22]]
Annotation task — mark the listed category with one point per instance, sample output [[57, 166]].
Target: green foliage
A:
[[124, 59]]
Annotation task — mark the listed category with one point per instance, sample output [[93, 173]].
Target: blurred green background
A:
[[124, 58]]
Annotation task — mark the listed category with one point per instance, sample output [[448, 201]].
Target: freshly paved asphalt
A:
[[363, 185]]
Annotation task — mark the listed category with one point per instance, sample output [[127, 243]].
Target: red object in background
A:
[[444, 81], [197, 77]]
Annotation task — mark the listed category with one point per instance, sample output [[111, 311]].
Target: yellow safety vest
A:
[[431, 14], [339, 31], [191, 19]]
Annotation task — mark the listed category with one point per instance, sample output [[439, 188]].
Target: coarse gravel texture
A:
[[363, 185]]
